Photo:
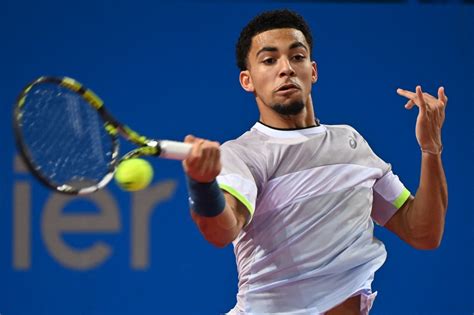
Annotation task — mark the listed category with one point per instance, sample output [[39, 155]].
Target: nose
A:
[[286, 68]]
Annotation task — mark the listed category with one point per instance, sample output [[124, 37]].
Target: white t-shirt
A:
[[312, 194]]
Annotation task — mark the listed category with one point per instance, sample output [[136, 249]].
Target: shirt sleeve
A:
[[389, 193], [237, 179], [389, 196]]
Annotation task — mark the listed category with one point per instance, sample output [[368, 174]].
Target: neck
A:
[[302, 120]]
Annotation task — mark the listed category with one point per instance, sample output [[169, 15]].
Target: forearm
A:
[[220, 230], [218, 215], [426, 215], [211, 212]]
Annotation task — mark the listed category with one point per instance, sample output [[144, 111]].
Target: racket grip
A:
[[174, 150]]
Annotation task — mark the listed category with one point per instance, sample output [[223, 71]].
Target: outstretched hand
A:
[[204, 162], [430, 117]]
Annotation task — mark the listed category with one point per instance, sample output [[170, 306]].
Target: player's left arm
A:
[[420, 221]]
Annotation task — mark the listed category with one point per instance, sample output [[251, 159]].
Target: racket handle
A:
[[174, 150]]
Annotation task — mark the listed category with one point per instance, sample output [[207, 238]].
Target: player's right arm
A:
[[219, 216], [224, 228]]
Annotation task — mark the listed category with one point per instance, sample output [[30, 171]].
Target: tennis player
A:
[[298, 198]]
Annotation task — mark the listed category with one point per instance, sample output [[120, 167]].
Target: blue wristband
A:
[[206, 199]]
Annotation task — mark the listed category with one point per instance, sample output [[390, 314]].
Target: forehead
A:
[[279, 38]]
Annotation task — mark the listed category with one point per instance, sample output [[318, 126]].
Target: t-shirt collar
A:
[[288, 133]]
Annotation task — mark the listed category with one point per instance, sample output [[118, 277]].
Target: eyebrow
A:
[[272, 48], [297, 45]]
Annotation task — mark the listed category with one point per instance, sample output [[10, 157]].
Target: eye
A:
[[299, 57], [269, 61]]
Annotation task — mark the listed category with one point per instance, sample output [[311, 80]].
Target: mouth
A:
[[287, 87]]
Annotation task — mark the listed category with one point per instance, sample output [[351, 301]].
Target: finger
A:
[[208, 169], [409, 104], [206, 158], [421, 101], [442, 96], [197, 148], [406, 93], [217, 158], [191, 163], [194, 157], [211, 157], [189, 139]]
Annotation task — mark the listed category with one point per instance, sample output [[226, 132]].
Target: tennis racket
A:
[[70, 142]]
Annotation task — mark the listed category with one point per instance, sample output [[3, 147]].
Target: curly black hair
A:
[[266, 21]]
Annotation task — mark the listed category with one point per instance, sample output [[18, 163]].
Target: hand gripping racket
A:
[[70, 142]]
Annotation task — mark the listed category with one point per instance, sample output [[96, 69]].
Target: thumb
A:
[[190, 139]]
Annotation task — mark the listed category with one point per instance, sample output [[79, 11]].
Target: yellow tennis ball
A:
[[134, 174]]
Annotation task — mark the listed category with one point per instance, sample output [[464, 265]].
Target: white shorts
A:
[[366, 301], [367, 298]]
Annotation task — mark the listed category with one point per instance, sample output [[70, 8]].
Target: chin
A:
[[291, 108]]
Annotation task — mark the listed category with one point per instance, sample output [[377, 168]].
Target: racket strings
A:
[[65, 137]]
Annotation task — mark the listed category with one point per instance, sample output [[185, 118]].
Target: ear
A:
[[314, 75], [246, 81]]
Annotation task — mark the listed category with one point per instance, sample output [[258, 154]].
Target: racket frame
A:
[[146, 147]]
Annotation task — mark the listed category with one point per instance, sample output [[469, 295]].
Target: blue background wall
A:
[[168, 70]]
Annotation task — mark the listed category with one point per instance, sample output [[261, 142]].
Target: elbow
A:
[[427, 243], [217, 230], [217, 237], [219, 243], [427, 236], [218, 240]]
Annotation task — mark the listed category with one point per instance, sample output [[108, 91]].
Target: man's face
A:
[[280, 72]]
